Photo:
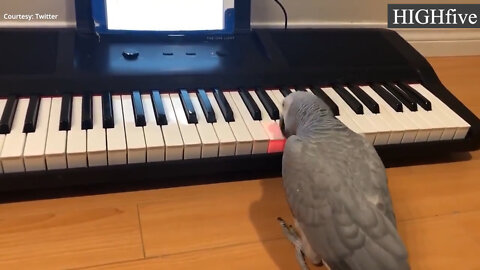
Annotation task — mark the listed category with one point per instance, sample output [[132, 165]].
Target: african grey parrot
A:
[[336, 187]]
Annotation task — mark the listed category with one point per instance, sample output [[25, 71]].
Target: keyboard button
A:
[[245, 140], [65, 113], [210, 143], [206, 106], [268, 104], [107, 111], [391, 100], [136, 148], [349, 118], [413, 131], [32, 114], [76, 137], [224, 132], [87, 121], [285, 91], [11, 154], [421, 100], [382, 129], [171, 132], [191, 139], [158, 108], [190, 113], [364, 98], [8, 115], [276, 100], [34, 152], [138, 112], [400, 95], [96, 137], [260, 138], [55, 149], [325, 98], [153, 132], [252, 108], [445, 113], [116, 139], [271, 128], [351, 101], [223, 105]]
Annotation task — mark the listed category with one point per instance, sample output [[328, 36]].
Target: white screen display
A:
[[165, 15]]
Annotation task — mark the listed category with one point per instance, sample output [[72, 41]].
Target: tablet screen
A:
[[166, 15]]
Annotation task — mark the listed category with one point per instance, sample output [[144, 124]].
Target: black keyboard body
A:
[[54, 62]]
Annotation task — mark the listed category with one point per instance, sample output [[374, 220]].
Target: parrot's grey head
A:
[[302, 108]]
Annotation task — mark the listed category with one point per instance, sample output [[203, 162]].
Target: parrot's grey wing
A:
[[340, 224], [370, 176]]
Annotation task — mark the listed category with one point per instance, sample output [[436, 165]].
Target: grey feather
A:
[[336, 187]]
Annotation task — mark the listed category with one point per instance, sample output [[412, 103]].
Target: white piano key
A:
[[11, 154], [271, 128], [153, 132], [260, 138], [349, 118], [191, 139], [2, 136], [96, 137], [136, 148], [174, 146], [56, 147], [245, 140], [228, 142], [381, 127], [116, 141], [76, 137], [448, 116], [210, 142], [34, 152], [396, 119]]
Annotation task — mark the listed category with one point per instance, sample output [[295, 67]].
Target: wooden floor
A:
[[233, 226]]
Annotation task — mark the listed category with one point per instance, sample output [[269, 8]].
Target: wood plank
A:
[[446, 242], [214, 215], [275, 254], [74, 236], [461, 75], [436, 189]]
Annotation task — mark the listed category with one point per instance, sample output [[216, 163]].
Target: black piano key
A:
[[371, 104], [87, 114], [351, 101], [206, 106], [30, 123], [419, 98], [158, 108], [267, 102], [301, 89], [251, 105], [224, 106], [188, 107], [285, 91], [400, 95], [8, 115], [138, 111], [391, 100], [319, 93], [107, 111], [66, 113]]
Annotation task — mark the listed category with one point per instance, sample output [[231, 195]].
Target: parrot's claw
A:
[[293, 237]]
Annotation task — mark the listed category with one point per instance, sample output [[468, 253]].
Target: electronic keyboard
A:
[[124, 113]]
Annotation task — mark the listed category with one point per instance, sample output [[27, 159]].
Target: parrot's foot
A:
[[293, 237]]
